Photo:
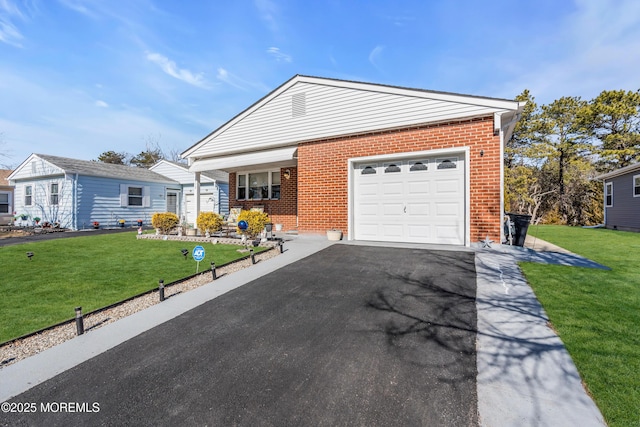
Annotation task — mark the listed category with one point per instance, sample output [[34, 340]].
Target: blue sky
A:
[[80, 77]]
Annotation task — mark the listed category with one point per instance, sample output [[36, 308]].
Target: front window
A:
[[636, 186], [275, 185], [242, 187], [258, 185], [54, 194], [135, 196], [4, 203], [28, 195], [608, 194]]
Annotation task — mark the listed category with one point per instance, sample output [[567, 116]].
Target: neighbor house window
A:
[[608, 194], [258, 185], [135, 196], [636, 186], [4, 203], [54, 198], [28, 195]]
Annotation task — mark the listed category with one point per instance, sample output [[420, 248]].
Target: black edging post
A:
[[79, 321], [161, 289], [281, 244], [253, 256], [213, 270]]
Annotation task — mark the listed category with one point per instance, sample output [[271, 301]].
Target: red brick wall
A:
[[283, 211], [323, 172]]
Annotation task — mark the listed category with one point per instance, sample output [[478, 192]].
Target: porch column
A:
[[196, 195]]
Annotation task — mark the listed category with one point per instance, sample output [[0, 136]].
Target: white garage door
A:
[[413, 200]]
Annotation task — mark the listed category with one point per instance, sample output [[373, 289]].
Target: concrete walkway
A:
[[525, 375]]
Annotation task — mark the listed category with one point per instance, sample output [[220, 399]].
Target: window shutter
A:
[[124, 196], [146, 197]]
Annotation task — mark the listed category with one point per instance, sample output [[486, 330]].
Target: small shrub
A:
[[209, 222], [165, 222], [256, 221]]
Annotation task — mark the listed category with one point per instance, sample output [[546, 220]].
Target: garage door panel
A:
[[392, 232], [392, 189], [392, 209], [418, 188], [444, 209], [448, 186], [368, 189], [418, 209]]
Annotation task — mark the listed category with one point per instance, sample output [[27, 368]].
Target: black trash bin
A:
[[521, 225]]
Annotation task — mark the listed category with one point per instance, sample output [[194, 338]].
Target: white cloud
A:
[[79, 6], [278, 55], [599, 45], [172, 69], [228, 78], [268, 11], [100, 103], [9, 33]]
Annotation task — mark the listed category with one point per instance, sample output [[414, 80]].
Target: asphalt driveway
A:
[[352, 335]]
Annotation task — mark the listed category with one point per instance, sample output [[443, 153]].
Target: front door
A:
[[172, 202]]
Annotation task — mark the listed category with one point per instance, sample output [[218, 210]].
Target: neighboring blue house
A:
[[622, 198], [214, 189], [75, 193]]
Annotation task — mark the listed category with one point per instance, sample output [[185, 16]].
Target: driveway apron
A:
[[352, 335]]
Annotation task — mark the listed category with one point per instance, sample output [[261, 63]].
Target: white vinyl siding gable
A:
[[330, 111]]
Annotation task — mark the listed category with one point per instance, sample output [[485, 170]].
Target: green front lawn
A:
[[89, 271], [597, 313]]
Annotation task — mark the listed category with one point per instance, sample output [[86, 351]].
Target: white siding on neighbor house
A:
[[322, 111], [183, 176], [41, 206], [35, 167]]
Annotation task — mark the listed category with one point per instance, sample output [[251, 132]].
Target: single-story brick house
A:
[[75, 193], [622, 198], [378, 162]]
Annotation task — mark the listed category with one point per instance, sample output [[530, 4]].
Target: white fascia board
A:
[[622, 171], [238, 161]]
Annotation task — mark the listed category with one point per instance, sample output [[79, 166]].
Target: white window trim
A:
[[29, 195], [51, 194], [633, 186], [608, 185], [247, 186]]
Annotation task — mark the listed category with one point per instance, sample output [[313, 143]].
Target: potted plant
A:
[[24, 217], [37, 220], [139, 223], [334, 234], [96, 224], [121, 221]]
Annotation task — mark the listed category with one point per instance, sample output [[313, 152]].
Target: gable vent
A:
[[299, 104]]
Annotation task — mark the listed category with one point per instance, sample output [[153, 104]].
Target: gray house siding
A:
[[625, 212], [99, 199]]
